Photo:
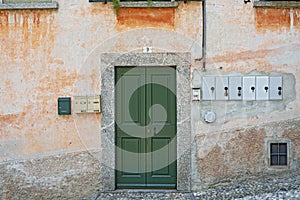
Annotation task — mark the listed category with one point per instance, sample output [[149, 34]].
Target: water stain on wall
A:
[[146, 17], [25, 31], [273, 19], [296, 18], [258, 55]]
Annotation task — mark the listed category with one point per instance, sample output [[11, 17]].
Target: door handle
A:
[[154, 130]]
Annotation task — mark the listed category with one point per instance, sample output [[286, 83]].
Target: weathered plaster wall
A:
[[248, 41], [46, 54], [67, 176], [53, 53]]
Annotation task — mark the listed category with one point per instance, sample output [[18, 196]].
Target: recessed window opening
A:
[[278, 154]]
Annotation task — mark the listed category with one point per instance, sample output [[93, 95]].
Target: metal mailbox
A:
[[64, 105], [249, 88], [262, 88], [235, 88], [93, 104], [80, 104], [222, 89], [276, 88], [208, 88], [87, 104], [246, 88]]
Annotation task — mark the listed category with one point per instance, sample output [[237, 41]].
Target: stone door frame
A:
[[107, 133]]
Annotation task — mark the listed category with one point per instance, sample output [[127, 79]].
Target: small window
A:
[[278, 154], [277, 3]]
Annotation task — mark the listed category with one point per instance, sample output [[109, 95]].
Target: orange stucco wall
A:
[[46, 54]]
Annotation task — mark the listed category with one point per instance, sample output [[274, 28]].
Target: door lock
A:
[[226, 91], [266, 88], [239, 91], [279, 90], [212, 89]]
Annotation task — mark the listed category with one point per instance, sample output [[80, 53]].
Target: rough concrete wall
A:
[[66, 176], [240, 152]]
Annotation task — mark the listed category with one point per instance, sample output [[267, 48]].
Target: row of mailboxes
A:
[[82, 104], [242, 88], [87, 104]]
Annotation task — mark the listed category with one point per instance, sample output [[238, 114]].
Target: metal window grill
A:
[[278, 154]]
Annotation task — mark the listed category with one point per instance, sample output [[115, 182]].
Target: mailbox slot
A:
[[208, 88]]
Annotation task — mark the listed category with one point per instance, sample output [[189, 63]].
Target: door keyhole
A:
[[279, 90], [212, 89], [239, 91], [266, 88]]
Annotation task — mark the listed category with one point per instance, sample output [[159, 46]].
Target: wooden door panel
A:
[[146, 135], [160, 157], [133, 114], [131, 163]]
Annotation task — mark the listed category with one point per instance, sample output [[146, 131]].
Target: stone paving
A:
[[278, 195], [286, 186]]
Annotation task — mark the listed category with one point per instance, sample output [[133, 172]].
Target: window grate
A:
[[278, 154]]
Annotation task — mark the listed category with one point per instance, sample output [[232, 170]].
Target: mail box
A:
[[64, 105]]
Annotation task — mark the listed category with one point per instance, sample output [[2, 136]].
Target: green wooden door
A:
[[145, 127]]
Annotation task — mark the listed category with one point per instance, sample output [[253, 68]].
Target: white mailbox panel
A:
[[249, 88], [208, 88], [262, 88], [80, 104], [235, 88], [93, 104], [222, 89], [276, 88]]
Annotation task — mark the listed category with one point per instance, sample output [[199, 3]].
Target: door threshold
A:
[[145, 190]]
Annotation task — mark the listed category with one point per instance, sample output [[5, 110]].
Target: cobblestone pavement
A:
[[286, 186], [278, 195]]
